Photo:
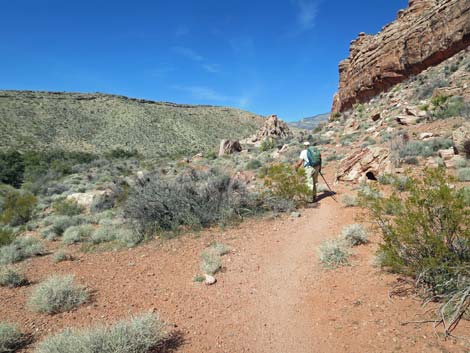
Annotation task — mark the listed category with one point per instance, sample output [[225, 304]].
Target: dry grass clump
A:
[[211, 262], [9, 277], [350, 200], [77, 234], [61, 255], [355, 234], [11, 338], [334, 253], [20, 249], [140, 334], [57, 294]]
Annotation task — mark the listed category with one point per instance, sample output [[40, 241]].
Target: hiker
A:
[[310, 159]]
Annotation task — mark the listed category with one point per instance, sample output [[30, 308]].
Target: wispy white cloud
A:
[[212, 68], [210, 95], [307, 13], [188, 53]]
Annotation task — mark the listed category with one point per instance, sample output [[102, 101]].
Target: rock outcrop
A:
[[461, 138], [369, 163], [273, 128], [425, 34], [229, 147]]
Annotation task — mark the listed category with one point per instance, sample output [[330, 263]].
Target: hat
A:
[[306, 143]]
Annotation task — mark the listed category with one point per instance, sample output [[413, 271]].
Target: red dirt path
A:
[[272, 295]]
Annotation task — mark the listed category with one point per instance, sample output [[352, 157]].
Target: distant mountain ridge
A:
[[97, 122], [310, 123]]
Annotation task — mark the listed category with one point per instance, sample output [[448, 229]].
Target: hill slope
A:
[[310, 123], [101, 122]]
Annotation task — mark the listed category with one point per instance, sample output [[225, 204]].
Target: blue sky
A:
[[268, 57]]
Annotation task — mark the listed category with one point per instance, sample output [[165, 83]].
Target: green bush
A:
[[447, 107], [62, 223], [219, 248], [463, 174], [21, 248], [11, 168], [7, 235], [67, 208], [334, 253], [428, 236], [253, 164], [78, 234], [194, 199], [120, 153], [57, 294], [17, 208], [278, 204], [355, 234], [267, 144], [9, 277], [11, 339], [141, 334], [284, 181]]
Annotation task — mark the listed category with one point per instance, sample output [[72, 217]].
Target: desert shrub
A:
[[463, 174], [62, 223], [17, 208], [465, 192], [355, 234], [334, 157], [211, 262], [427, 85], [278, 204], [365, 190], [349, 200], [103, 234], [447, 107], [267, 144], [21, 248], [334, 253], [411, 160], [57, 294], [424, 148], [194, 199], [120, 153], [284, 181], [9, 277], [11, 168], [140, 334], [77, 234], [11, 339], [428, 238], [7, 235], [55, 188], [61, 255], [219, 248], [67, 208], [253, 164]]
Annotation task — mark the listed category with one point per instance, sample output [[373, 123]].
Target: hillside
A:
[[311, 122], [101, 122]]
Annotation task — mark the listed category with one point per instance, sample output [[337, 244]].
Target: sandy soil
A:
[[272, 295]]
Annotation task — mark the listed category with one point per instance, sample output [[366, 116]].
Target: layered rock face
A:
[[425, 34]]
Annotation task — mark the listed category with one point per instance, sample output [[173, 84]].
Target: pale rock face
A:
[[85, 199], [369, 163], [273, 128], [425, 34], [229, 147]]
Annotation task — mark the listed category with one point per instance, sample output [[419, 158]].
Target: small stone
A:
[[295, 214], [209, 280]]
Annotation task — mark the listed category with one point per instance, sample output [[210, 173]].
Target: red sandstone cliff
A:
[[423, 35]]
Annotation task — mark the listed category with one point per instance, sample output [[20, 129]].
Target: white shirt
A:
[[304, 157]]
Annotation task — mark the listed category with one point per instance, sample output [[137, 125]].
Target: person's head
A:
[[306, 144]]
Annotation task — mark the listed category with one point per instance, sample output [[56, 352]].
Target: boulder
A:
[[369, 163], [461, 137], [426, 135], [229, 147], [446, 156], [85, 199], [407, 119]]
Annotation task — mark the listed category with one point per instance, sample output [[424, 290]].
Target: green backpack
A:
[[314, 156]]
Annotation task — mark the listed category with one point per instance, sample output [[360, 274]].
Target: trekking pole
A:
[[332, 192]]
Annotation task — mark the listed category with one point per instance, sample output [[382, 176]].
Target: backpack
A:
[[314, 156]]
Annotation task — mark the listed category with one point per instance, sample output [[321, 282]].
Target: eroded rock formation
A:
[[425, 34]]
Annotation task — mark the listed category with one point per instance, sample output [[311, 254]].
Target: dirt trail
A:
[[272, 295]]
